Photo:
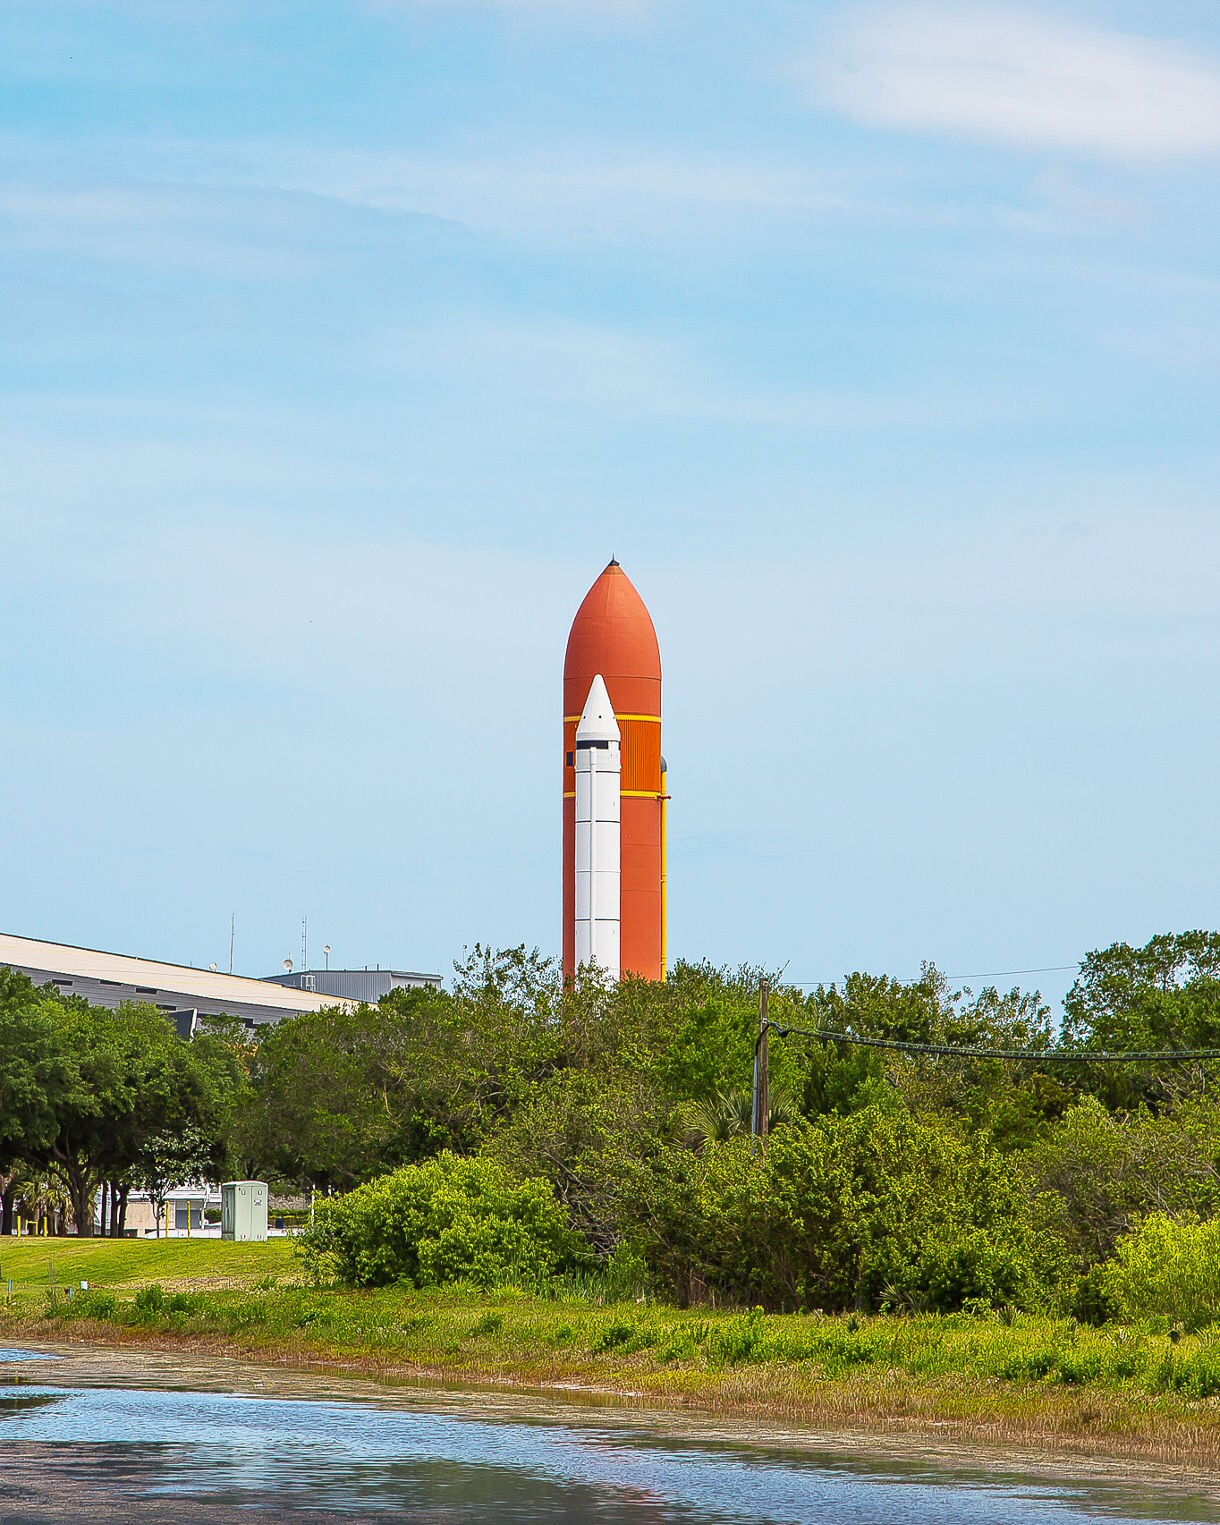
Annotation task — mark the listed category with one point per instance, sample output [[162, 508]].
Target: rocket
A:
[[613, 909], [598, 833]]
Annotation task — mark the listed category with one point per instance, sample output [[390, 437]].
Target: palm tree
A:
[[731, 1115]]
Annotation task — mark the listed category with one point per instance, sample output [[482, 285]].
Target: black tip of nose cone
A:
[[613, 562]]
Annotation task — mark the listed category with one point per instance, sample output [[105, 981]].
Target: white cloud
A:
[[585, 193], [590, 193], [1019, 77], [187, 227]]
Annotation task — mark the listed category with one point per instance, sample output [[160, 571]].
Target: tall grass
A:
[[458, 1327]]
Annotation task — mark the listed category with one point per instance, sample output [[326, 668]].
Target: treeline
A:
[[95, 1098], [889, 1179]]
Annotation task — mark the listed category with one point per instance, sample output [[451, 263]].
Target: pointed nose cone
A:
[[597, 722], [613, 635]]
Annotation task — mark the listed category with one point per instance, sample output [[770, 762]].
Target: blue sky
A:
[[342, 345]]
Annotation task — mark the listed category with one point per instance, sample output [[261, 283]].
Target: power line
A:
[[1003, 974], [993, 974], [1039, 1056]]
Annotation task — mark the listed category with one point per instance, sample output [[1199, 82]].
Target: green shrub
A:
[[1198, 1376], [678, 1344], [740, 1341], [446, 1220], [625, 1336], [1093, 1300], [1166, 1268], [98, 1305], [1030, 1365], [249, 1311], [615, 1335], [626, 1274], [150, 1300]]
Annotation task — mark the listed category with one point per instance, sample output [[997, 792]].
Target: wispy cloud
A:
[[186, 227], [585, 194], [554, 370], [1018, 77], [179, 214]]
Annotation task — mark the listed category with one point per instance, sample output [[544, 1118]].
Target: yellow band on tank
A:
[[651, 719], [627, 794]]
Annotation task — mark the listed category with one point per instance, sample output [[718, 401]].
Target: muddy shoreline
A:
[[902, 1444]]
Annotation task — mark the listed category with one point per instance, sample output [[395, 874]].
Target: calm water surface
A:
[[131, 1452]]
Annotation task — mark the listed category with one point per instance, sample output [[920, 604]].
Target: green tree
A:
[[223, 1054], [1109, 1170], [1009, 1102], [338, 1096], [170, 1159], [695, 1033], [1165, 995], [131, 1077], [34, 1074], [582, 1131], [504, 1034]]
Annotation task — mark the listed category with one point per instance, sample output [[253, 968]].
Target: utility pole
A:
[[762, 1101]]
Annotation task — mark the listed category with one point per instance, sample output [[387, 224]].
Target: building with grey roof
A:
[[185, 994], [355, 984]]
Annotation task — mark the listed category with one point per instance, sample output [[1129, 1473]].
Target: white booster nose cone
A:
[[599, 765]]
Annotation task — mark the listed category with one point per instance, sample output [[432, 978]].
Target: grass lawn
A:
[[127, 1264]]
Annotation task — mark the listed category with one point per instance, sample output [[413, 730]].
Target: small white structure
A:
[[599, 767], [243, 1210]]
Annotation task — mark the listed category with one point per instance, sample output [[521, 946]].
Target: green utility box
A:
[[243, 1210]]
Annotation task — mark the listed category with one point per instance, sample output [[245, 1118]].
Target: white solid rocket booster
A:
[[599, 766]]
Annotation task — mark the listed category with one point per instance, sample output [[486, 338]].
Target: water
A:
[[107, 1444]]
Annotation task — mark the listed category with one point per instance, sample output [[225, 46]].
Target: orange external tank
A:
[[613, 635]]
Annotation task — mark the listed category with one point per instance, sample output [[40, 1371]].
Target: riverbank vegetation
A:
[[514, 1129], [1137, 1392], [469, 1331]]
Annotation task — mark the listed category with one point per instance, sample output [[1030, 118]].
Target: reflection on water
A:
[[10, 1404], [143, 1455]]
